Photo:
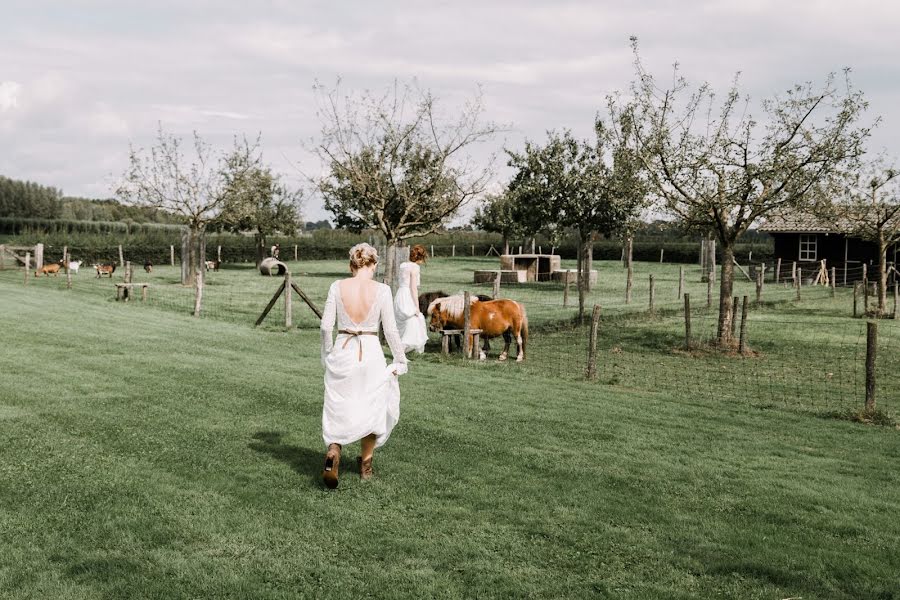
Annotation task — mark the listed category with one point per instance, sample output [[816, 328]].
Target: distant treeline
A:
[[29, 200]]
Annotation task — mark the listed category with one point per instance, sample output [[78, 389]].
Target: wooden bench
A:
[[124, 290], [447, 333]]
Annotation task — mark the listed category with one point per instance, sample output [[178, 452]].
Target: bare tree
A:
[[869, 208], [194, 186], [394, 164], [716, 168]]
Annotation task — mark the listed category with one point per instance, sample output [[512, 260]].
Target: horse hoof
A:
[[520, 358], [482, 356], [502, 357]]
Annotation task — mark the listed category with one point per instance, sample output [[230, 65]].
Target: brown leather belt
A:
[[355, 334]]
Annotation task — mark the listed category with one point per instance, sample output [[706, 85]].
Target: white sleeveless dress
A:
[[410, 322], [362, 395]]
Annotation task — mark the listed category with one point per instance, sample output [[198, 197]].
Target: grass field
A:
[[149, 454]]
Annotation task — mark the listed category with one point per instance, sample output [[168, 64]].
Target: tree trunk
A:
[[505, 245], [882, 274], [260, 248], [584, 247], [589, 260], [629, 266], [726, 286]]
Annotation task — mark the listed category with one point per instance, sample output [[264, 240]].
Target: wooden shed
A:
[[804, 238]]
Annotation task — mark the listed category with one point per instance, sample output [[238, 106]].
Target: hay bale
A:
[[272, 266]]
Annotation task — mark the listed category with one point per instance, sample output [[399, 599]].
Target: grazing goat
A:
[[148, 266], [213, 264], [74, 265], [50, 268], [105, 270]]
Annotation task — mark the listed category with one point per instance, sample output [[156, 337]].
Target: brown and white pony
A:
[[493, 317]]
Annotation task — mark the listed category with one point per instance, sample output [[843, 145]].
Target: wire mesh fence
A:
[[807, 354]]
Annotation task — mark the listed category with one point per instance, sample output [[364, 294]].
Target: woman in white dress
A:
[[410, 320], [362, 394]]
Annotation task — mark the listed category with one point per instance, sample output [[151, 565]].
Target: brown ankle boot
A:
[[332, 465], [365, 468]]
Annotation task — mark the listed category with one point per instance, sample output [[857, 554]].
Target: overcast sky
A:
[[80, 80]]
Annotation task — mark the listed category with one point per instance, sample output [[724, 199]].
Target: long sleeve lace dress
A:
[[362, 394]]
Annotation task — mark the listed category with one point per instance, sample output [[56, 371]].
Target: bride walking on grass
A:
[[362, 393], [410, 321]]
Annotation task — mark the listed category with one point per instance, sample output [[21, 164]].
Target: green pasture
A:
[[148, 454]]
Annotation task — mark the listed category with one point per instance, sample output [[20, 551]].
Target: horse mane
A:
[[452, 305]]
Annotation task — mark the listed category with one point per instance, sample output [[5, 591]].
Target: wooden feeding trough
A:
[[536, 267]]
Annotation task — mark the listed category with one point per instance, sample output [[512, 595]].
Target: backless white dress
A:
[[410, 322], [362, 395]]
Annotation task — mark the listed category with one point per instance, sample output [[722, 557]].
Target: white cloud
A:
[[9, 95]]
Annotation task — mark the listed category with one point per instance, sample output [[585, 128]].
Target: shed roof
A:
[[800, 222]]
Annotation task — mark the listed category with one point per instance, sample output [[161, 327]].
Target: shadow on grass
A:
[[303, 461]]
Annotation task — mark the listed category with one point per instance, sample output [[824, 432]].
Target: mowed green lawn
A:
[[147, 454]]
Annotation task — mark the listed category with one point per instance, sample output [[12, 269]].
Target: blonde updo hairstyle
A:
[[362, 255]]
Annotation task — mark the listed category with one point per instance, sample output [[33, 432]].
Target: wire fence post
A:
[[865, 292], [833, 282], [687, 321], [709, 292], [777, 270], [2, 257], [432, 250], [591, 371], [288, 295], [661, 250], [652, 292], [566, 291], [127, 274], [496, 285], [172, 255], [855, 298], [871, 348], [759, 279], [629, 268], [121, 257], [467, 325], [27, 266], [66, 260], [198, 293], [742, 345], [680, 281], [798, 275], [896, 294], [453, 250], [296, 253]]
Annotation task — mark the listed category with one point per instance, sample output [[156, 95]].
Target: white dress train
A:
[[362, 395], [410, 322]]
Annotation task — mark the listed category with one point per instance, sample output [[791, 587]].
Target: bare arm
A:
[[326, 328], [414, 288], [389, 324]]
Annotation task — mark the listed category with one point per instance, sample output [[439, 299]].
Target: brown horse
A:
[[493, 317]]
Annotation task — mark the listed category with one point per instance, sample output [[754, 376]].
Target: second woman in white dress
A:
[[410, 320]]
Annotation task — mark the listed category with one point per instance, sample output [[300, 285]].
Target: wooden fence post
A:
[[27, 266], [794, 269], [198, 293], [127, 275], [2, 257], [833, 281], [742, 344], [219, 253], [759, 278], [121, 257], [67, 260], [798, 274], [777, 270], [296, 253], [709, 285], [687, 321], [735, 303], [855, 295], [566, 290], [171, 255], [432, 250], [865, 292], [453, 250], [871, 349], [473, 249], [680, 281], [661, 250], [896, 294], [591, 371], [38, 256], [467, 325], [288, 295], [496, 285], [652, 292]]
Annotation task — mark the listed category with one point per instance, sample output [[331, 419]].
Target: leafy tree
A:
[[255, 200], [395, 164], [192, 184], [28, 199], [716, 168], [869, 208], [571, 184], [499, 214]]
